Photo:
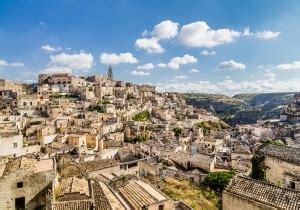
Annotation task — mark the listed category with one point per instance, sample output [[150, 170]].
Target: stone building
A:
[[249, 194], [24, 183], [282, 165]]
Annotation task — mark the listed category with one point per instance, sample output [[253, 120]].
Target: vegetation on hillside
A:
[[226, 107], [218, 180], [177, 131], [209, 126], [197, 198], [142, 116], [136, 139], [97, 108]]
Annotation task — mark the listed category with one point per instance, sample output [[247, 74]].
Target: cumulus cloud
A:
[[150, 45], [49, 48], [230, 87], [207, 53], [165, 30], [289, 66], [161, 65], [194, 71], [199, 34], [112, 58], [72, 61], [261, 34], [147, 66], [14, 64], [140, 73], [231, 65], [175, 62], [56, 69]]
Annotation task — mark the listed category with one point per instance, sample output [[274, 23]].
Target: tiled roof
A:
[[73, 205], [288, 154], [136, 195], [97, 165], [101, 201], [269, 194]]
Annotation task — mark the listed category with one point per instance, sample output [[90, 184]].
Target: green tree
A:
[[218, 180], [258, 167]]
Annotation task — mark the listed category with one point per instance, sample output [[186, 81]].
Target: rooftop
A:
[[140, 194], [97, 165], [269, 194], [284, 153], [25, 163]]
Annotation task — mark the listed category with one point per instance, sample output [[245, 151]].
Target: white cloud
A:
[[231, 65], [112, 58], [140, 73], [230, 87], [261, 34], [17, 64], [165, 30], [56, 69], [289, 66], [270, 75], [49, 48], [206, 52], [194, 71], [3, 63], [161, 65], [147, 66], [199, 34], [14, 64], [151, 45], [227, 77], [180, 77], [177, 61], [73, 61], [267, 34]]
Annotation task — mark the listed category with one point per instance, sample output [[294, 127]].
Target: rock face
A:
[[242, 108], [292, 110]]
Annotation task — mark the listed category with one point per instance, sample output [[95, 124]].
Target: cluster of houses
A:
[[72, 142]]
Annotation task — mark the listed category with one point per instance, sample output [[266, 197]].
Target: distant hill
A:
[[263, 98], [242, 108]]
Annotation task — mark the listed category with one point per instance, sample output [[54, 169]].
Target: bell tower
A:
[[109, 73]]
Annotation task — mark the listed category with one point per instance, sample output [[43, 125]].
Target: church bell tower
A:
[[109, 73]]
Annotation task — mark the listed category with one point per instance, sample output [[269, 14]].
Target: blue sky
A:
[[210, 46]]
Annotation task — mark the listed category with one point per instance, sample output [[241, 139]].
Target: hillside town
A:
[[92, 142]]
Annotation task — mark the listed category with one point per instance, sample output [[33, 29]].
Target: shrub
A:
[[218, 180]]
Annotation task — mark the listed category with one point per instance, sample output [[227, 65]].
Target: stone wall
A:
[[34, 188], [232, 201], [279, 172]]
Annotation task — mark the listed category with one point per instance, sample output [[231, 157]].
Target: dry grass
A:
[[197, 198]]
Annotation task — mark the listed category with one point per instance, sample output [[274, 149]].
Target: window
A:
[[161, 207], [19, 184], [15, 145]]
